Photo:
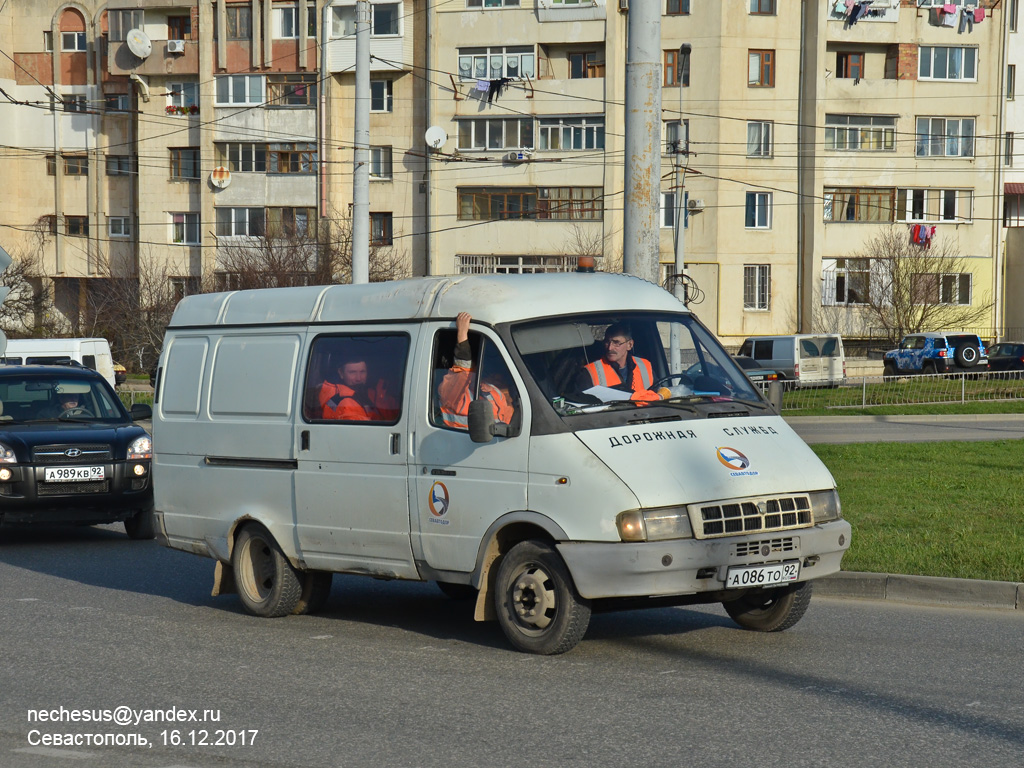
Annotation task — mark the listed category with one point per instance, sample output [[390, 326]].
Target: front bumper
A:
[[692, 566]]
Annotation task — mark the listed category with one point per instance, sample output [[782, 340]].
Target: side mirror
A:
[[482, 426], [141, 411]]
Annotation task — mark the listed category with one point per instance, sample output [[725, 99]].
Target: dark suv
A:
[[70, 452], [936, 353]]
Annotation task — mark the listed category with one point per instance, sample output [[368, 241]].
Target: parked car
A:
[[1006, 356], [120, 375], [936, 353], [70, 452], [812, 359], [754, 371]]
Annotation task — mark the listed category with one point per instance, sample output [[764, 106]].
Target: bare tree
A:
[[910, 288], [28, 309]]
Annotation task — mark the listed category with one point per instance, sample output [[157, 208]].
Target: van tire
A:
[[538, 606], [457, 591], [141, 526], [316, 588], [771, 610], [266, 581]]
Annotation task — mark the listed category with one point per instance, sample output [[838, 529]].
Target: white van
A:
[[92, 353], [813, 359], [581, 499]]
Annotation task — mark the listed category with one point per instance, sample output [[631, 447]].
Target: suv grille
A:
[[68, 489], [751, 548], [55, 454], [739, 516]]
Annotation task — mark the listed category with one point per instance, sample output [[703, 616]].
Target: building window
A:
[[548, 203], [291, 90], [74, 102], [758, 210], [762, 7], [381, 233], [179, 27], [853, 281], [571, 133], [235, 90], [380, 163], [1013, 210], [1008, 149], [240, 222], [1014, 11], [945, 137], [513, 62], [286, 22], [676, 136], [297, 223], [947, 63], [385, 19], [757, 286], [185, 163], [183, 94], [1011, 81], [668, 210], [48, 41], [239, 22], [492, 3], [185, 228], [860, 133], [116, 102], [381, 95], [119, 226], [761, 69], [72, 41], [242, 157], [858, 204], [585, 65], [119, 165], [74, 165], [759, 139], [570, 203], [671, 69], [183, 286], [291, 158], [934, 205], [511, 133], [955, 289], [850, 65], [677, 7], [120, 23], [76, 226], [512, 265]]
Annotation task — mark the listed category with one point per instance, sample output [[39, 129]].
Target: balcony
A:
[[162, 61]]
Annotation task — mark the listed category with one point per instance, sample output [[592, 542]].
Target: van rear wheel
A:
[[266, 581], [316, 588], [538, 606], [770, 610]]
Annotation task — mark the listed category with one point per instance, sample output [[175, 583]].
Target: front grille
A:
[[56, 454], [731, 518], [754, 548], [70, 489]]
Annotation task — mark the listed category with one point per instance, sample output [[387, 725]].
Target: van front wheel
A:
[[266, 581], [538, 607], [771, 610]]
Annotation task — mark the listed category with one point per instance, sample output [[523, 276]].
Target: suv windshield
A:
[[33, 398], [564, 356]]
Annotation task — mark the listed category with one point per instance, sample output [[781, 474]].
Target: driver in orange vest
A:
[[618, 368], [456, 390], [350, 399]]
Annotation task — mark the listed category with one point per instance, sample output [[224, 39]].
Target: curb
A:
[[905, 419], [928, 590]]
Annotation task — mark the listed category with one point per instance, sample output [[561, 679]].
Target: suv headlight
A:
[[654, 524], [7, 455], [825, 506], [141, 448]]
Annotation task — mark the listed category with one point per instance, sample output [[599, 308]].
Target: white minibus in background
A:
[[810, 359], [92, 353]]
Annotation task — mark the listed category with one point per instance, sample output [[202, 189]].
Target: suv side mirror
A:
[[482, 426], [141, 411]]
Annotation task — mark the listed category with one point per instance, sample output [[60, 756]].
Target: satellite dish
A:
[[436, 137], [220, 177], [139, 43]]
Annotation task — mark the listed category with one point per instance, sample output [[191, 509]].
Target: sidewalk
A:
[[929, 590]]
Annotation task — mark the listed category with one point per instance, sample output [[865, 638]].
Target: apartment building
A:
[[497, 141]]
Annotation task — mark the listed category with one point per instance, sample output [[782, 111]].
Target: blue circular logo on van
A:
[[732, 458]]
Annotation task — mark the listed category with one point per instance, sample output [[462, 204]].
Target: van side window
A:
[[763, 350], [89, 361], [454, 387], [356, 378]]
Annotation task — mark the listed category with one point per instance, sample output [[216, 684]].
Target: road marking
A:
[[321, 637], [71, 754], [27, 599]]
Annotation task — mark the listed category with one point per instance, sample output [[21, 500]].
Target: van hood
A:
[[669, 463]]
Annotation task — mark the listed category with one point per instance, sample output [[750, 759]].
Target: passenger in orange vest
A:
[[618, 368], [456, 390], [351, 400]]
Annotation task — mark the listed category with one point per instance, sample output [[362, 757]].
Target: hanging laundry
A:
[[979, 14], [949, 18], [483, 85], [496, 88], [966, 22], [949, 8], [840, 8]]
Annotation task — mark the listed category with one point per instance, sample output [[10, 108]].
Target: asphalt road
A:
[[908, 429], [395, 674]]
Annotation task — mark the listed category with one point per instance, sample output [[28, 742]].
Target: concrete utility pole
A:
[[681, 157], [641, 203], [361, 150]]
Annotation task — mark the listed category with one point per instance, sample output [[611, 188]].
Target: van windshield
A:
[[600, 362]]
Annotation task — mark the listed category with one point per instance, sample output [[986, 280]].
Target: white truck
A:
[[272, 461]]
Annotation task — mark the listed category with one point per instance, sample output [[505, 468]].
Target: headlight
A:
[[7, 455], [825, 506], [654, 524], [141, 448]]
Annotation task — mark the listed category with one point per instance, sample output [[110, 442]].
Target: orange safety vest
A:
[[602, 374], [337, 402], [456, 396]]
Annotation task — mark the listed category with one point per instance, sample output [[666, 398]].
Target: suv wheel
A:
[[966, 357]]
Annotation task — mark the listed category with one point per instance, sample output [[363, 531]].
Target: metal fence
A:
[[868, 391], [130, 397]]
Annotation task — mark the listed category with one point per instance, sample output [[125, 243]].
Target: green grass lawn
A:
[[933, 509]]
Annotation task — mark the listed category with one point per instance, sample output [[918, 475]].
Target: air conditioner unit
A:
[[623, 5], [175, 46], [695, 206], [516, 157]]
